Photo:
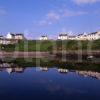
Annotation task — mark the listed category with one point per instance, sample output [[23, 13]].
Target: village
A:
[[84, 36], [13, 38]]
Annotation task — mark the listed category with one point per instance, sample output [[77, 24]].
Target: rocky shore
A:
[[75, 56], [24, 54]]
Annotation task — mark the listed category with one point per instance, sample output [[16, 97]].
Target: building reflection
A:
[[11, 68], [17, 70], [44, 68], [62, 70], [89, 74], [14, 68], [7, 65]]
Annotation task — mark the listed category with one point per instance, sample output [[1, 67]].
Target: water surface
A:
[[37, 83]]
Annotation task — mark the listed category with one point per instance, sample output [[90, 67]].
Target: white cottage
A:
[[5, 41], [19, 36], [81, 36], [93, 36], [62, 37], [10, 36], [43, 38], [90, 36], [71, 37], [1, 37]]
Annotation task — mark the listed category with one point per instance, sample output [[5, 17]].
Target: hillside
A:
[[36, 45]]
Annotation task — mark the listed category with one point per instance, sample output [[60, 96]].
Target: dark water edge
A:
[[46, 63], [51, 63]]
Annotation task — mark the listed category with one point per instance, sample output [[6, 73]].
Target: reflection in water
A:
[[44, 68], [89, 73], [11, 68], [61, 70], [61, 82], [47, 84], [14, 67], [6, 65]]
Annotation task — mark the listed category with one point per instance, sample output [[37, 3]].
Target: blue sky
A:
[[40, 17]]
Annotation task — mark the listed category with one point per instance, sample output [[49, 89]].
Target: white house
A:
[[81, 37], [10, 36], [71, 37], [90, 36], [43, 38], [8, 41], [93, 36], [1, 37], [19, 36], [62, 37]]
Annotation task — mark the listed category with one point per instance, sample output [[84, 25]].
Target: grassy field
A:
[[33, 45]]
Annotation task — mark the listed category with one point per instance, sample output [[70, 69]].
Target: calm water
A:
[[48, 84]]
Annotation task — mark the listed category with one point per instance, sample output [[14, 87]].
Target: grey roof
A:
[[19, 34], [43, 36], [12, 34], [92, 33], [72, 36], [63, 35], [80, 34]]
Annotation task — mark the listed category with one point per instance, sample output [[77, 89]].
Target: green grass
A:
[[36, 45]]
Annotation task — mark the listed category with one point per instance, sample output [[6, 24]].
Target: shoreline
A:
[[38, 54], [83, 52], [17, 54]]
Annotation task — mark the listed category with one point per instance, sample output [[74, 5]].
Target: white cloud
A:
[[53, 16], [49, 18], [69, 13], [85, 1], [56, 16], [28, 35]]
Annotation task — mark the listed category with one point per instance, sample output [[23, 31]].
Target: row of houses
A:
[[84, 36], [17, 36], [11, 38], [9, 69]]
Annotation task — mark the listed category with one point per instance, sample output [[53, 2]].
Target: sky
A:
[[49, 17]]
